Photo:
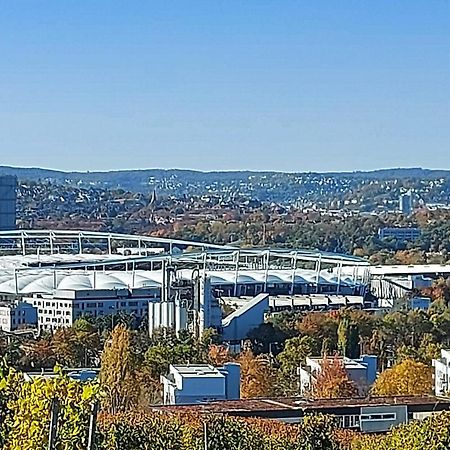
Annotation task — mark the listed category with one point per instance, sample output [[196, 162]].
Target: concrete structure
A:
[[15, 315], [406, 203], [400, 233], [362, 371], [391, 289], [368, 415], [442, 373], [66, 274], [8, 186], [237, 325], [190, 384]]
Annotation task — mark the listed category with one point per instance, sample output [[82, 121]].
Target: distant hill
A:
[[319, 188], [137, 177]]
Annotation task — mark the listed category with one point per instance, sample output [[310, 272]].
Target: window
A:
[[376, 417], [349, 421]]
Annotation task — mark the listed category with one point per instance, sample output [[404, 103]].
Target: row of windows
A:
[[386, 416], [12, 312], [109, 305], [54, 320], [354, 420], [52, 311]]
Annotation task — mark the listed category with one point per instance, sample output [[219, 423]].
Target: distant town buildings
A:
[[191, 384], [8, 186], [400, 233]]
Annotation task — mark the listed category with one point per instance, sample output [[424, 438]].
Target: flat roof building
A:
[[368, 415], [400, 233], [363, 371], [199, 383]]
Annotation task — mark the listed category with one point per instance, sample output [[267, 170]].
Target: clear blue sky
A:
[[233, 84]]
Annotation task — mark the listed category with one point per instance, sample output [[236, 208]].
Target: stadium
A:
[[175, 283]]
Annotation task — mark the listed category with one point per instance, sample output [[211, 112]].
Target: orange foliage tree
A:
[[218, 355], [408, 377], [332, 380]]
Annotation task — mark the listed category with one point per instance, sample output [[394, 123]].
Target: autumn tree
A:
[[41, 354], [332, 380], [118, 374], [322, 328], [293, 356], [257, 377], [348, 338], [218, 355], [408, 377]]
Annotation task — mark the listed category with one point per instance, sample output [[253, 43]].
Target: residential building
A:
[[441, 373], [367, 415], [16, 315], [363, 371], [8, 186], [190, 384], [400, 233], [406, 203]]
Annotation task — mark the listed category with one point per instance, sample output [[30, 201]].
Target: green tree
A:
[[293, 356]]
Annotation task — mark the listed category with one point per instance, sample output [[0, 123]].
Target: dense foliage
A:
[[25, 420], [432, 433], [187, 432]]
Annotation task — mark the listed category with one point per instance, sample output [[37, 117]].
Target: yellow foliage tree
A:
[[118, 374], [408, 377], [257, 377]]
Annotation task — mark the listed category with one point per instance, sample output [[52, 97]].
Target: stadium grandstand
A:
[[174, 283]]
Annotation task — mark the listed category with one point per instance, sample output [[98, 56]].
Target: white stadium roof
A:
[[43, 261]]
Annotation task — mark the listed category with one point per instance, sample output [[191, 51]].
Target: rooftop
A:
[[279, 404], [198, 370]]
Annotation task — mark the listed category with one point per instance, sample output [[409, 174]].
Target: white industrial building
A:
[[200, 383], [363, 371], [442, 373]]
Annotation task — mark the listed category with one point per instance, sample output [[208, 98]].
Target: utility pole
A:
[[92, 425], [205, 434], [53, 425]]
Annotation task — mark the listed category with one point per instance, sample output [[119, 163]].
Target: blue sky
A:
[[235, 84]]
